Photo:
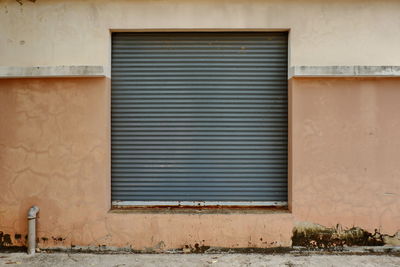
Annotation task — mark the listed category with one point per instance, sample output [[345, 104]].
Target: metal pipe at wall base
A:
[[32, 229]]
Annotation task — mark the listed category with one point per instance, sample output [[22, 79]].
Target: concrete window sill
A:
[[201, 210], [51, 71], [344, 71]]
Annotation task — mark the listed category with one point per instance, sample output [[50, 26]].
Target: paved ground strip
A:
[[126, 260]]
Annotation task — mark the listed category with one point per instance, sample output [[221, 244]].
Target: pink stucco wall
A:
[[55, 153], [346, 152]]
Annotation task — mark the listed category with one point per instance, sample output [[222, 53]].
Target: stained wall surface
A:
[[346, 152], [55, 153], [55, 132], [76, 32]]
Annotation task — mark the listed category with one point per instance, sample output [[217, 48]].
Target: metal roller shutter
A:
[[199, 117]]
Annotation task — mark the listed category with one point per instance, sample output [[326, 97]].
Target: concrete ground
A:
[[125, 260]]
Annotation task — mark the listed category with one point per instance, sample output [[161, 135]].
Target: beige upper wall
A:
[[341, 32]]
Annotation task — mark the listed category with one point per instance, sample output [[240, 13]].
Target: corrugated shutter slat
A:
[[199, 116]]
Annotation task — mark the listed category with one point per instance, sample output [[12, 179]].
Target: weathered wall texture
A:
[[55, 133], [54, 152], [346, 151], [341, 32]]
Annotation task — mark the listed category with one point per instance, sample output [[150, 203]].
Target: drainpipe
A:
[[32, 229]]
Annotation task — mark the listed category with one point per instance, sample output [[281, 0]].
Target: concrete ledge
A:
[[344, 71], [295, 71], [51, 71]]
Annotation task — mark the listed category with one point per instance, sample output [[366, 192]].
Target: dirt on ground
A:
[[125, 260]]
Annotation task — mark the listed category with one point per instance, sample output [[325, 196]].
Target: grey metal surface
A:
[[199, 117]]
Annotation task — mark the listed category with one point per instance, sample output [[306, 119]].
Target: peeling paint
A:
[[196, 248], [7, 245], [5, 240], [393, 240], [58, 239], [158, 248]]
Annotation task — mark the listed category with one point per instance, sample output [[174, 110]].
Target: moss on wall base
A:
[[317, 236]]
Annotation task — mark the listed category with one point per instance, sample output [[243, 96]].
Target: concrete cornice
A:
[[51, 71], [344, 71]]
